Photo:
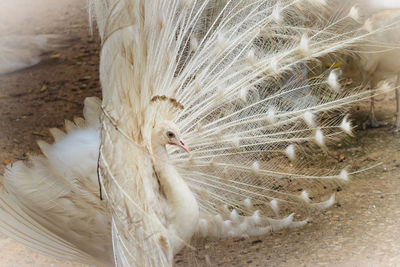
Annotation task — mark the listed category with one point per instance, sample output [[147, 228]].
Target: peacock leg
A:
[[372, 122], [396, 126]]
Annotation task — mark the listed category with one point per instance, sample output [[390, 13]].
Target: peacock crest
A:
[[167, 107]]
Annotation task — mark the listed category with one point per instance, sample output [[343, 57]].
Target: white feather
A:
[[276, 13], [344, 175], [247, 203], [355, 14], [304, 196], [290, 152], [325, 204], [309, 119], [305, 44], [319, 137], [333, 79], [274, 206], [256, 167], [271, 118], [345, 125]]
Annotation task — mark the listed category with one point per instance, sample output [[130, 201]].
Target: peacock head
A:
[[167, 133]]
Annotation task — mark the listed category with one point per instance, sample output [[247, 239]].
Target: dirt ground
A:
[[362, 229]]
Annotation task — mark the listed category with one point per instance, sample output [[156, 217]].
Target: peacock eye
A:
[[170, 134]]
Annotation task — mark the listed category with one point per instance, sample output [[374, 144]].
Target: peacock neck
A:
[[182, 212]]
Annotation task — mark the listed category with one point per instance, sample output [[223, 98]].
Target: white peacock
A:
[[250, 114]]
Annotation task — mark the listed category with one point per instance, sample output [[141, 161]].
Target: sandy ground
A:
[[362, 229]]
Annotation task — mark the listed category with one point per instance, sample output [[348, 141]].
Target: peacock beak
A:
[[183, 146]]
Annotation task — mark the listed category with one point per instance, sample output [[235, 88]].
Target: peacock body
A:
[[224, 80]]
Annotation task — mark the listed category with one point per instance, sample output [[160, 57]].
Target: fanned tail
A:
[[254, 110], [254, 106]]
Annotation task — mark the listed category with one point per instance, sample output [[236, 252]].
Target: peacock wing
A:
[[51, 202]]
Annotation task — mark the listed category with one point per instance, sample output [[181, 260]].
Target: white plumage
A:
[[224, 77]]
